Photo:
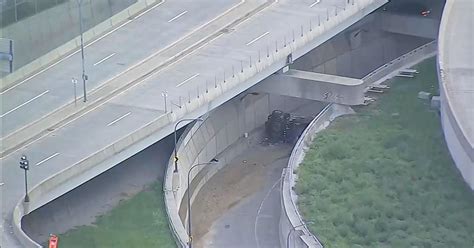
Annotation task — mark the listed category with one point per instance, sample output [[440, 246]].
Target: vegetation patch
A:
[[138, 222], [384, 177]]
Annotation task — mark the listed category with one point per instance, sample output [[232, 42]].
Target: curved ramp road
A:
[[85, 137], [239, 207]]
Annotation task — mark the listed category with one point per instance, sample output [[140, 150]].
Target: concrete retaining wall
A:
[[358, 50], [419, 26], [461, 149], [26, 65], [199, 144], [222, 130], [75, 174], [291, 220], [290, 217], [406, 60]]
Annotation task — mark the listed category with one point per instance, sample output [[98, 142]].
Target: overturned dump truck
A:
[[283, 127]]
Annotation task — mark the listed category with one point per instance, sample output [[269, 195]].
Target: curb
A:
[[122, 82], [71, 47]]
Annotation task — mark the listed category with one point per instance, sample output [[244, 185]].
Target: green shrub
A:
[[380, 180], [335, 151]]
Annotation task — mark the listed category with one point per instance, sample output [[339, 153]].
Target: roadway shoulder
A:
[[132, 76]]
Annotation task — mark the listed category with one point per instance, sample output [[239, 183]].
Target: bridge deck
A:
[[128, 122]]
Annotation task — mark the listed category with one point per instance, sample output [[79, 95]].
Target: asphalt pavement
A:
[[249, 220], [125, 113], [163, 25]]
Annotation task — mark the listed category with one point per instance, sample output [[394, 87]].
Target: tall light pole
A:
[[190, 242], [24, 164], [176, 141], [292, 230], [84, 76]]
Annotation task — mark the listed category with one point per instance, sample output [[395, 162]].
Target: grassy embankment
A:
[[384, 177], [137, 222]]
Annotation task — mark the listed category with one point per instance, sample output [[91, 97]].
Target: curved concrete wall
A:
[[291, 220], [456, 103], [221, 129], [107, 157], [290, 217], [199, 144]]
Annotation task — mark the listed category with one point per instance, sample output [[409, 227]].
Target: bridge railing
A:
[[259, 65], [410, 58]]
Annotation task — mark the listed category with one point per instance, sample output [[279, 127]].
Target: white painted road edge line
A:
[[314, 4], [148, 10], [258, 38], [178, 16], [147, 77], [48, 158], [72, 54], [104, 59], [118, 119], [23, 104], [187, 80], [260, 210], [170, 45]]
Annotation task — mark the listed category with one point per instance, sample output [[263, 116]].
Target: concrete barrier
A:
[[68, 48], [292, 224], [86, 169], [131, 76], [221, 136], [24, 240], [199, 144], [290, 219], [404, 61]]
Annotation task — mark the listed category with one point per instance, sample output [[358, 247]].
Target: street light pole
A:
[[190, 242], [176, 141], [84, 76], [292, 230], [24, 164]]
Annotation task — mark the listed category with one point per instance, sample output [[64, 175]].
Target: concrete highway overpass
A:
[[184, 79], [456, 74]]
